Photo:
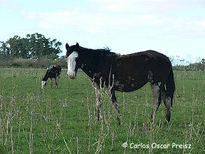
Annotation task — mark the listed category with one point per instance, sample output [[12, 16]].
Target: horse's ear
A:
[[77, 45], [67, 46]]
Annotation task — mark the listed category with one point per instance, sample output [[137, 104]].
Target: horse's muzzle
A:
[[71, 75]]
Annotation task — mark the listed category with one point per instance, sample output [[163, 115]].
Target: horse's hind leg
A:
[[167, 103], [114, 103], [51, 82], [98, 104], [111, 94], [156, 91]]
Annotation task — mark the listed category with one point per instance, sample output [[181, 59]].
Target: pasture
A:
[[63, 120]]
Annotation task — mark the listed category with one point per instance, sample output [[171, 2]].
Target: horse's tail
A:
[[170, 85]]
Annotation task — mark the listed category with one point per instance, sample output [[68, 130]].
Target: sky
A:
[[172, 27]]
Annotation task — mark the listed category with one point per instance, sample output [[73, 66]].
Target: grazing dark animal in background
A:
[[53, 71], [124, 73]]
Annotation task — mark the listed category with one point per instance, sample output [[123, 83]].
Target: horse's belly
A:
[[128, 86]]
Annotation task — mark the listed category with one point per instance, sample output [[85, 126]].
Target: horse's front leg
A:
[[56, 81], [98, 104], [51, 82], [111, 94]]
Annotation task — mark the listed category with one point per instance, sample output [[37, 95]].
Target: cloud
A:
[[5, 2], [151, 23], [124, 17], [157, 5], [202, 24], [9, 4], [86, 20], [48, 20]]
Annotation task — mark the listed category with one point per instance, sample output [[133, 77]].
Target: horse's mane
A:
[[101, 52]]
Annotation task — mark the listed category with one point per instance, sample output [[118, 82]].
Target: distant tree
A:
[[203, 61], [17, 47], [4, 50], [41, 46], [33, 46]]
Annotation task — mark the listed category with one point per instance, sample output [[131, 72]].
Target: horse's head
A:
[[43, 84], [72, 56]]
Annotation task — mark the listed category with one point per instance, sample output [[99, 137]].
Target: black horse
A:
[[124, 73], [53, 71]]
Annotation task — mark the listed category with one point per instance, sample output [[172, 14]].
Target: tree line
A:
[[35, 50], [33, 46], [197, 66]]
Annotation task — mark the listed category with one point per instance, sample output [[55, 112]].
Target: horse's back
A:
[[139, 68], [53, 71], [58, 67], [144, 60], [150, 54], [159, 65], [157, 56]]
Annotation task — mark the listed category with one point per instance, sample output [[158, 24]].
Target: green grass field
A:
[[63, 120]]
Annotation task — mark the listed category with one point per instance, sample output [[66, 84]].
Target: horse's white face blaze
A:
[[71, 62], [43, 84]]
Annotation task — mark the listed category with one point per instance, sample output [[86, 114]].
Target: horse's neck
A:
[[93, 62], [45, 78], [88, 69], [90, 65]]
